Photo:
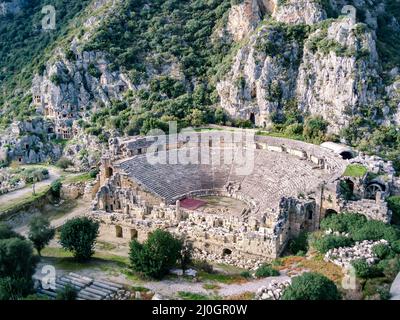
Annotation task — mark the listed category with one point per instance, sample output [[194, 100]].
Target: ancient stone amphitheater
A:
[[234, 199]]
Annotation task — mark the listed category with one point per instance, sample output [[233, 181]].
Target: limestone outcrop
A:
[[329, 70], [300, 12]]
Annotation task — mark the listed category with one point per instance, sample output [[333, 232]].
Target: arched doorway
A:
[[330, 212], [346, 155], [226, 252], [119, 232], [252, 118], [109, 172], [134, 234], [347, 189]]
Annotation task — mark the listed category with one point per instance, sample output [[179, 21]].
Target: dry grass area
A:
[[312, 263], [242, 296]]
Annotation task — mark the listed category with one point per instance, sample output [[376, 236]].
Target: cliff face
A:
[[262, 77], [335, 81], [179, 60], [330, 68]]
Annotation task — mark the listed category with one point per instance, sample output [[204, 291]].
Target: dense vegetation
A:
[[79, 236], [265, 271], [157, 255], [311, 286], [17, 265], [24, 49], [40, 232], [374, 278], [145, 40]]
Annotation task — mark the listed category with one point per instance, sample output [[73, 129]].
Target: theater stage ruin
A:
[[226, 209]]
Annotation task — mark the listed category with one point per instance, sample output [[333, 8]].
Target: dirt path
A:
[[54, 174], [170, 288]]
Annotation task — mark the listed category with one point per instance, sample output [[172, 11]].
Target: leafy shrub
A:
[[17, 266], [395, 245], [245, 274], [299, 244], [381, 250], [16, 258], [12, 288], [157, 255], [311, 286], [55, 188], [364, 270], [376, 230], [63, 163], [6, 232], [329, 242], [394, 206], [79, 235], [265, 271], [93, 173], [344, 223], [67, 293], [315, 129]]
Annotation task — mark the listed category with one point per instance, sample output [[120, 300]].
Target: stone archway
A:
[[109, 172], [134, 234], [252, 118], [119, 232], [330, 212], [347, 189], [226, 252], [346, 155]]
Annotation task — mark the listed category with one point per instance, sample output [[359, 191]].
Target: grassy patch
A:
[[222, 278], [315, 263], [355, 170], [105, 246], [64, 260], [242, 296], [196, 296], [211, 286], [77, 178], [280, 135]]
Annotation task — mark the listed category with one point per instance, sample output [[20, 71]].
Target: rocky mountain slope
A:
[[115, 67]]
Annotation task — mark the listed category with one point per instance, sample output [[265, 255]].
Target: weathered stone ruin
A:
[[283, 187]]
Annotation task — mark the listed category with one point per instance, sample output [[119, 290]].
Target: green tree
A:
[[6, 232], [79, 235], [315, 129], [17, 265], [64, 163], [311, 286], [55, 188], [15, 288], [156, 256], [40, 232]]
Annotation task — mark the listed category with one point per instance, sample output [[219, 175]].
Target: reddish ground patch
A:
[[192, 204]]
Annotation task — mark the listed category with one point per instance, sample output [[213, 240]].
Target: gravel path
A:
[[252, 286], [169, 288], [54, 174]]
